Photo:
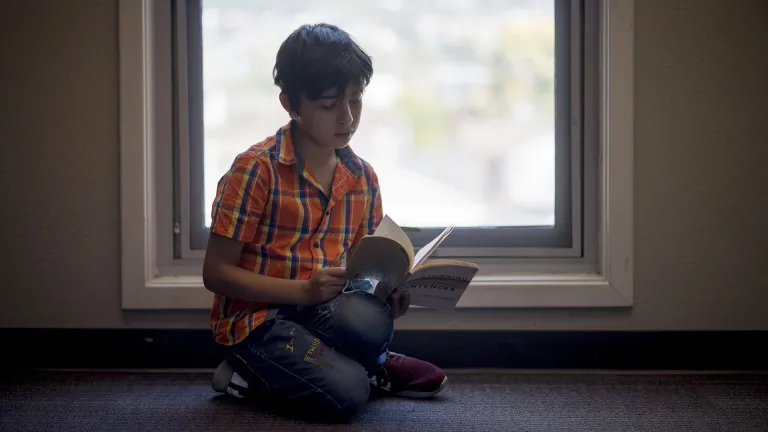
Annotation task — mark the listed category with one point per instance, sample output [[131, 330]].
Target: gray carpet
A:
[[109, 402]]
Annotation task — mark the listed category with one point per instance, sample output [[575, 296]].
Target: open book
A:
[[388, 256]]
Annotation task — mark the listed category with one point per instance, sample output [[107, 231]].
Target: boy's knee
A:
[[350, 393], [358, 325], [365, 320]]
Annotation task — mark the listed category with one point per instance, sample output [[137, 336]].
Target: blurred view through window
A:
[[458, 121]]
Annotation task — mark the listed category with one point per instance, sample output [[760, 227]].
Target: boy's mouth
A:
[[345, 135]]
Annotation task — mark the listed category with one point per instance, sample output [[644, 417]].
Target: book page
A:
[[440, 284], [379, 258], [427, 250], [441, 262], [389, 229]]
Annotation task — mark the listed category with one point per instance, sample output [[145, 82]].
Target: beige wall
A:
[[701, 172]]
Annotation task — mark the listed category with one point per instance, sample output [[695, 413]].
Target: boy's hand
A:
[[324, 285], [399, 301]]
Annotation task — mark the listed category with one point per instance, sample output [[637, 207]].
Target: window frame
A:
[[154, 278]]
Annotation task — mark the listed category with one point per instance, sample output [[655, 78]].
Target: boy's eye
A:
[[354, 101]]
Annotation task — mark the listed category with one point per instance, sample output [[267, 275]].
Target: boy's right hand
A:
[[324, 285]]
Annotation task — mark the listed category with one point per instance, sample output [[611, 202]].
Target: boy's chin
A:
[[340, 142], [331, 144]]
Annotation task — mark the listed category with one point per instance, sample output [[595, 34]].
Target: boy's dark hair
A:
[[317, 58]]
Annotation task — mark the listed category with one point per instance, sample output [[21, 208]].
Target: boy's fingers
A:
[[338, 272], [400, 303], [380, 292], [405, 300], [394, 304]]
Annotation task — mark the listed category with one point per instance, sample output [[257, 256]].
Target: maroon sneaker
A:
[[409, 377]]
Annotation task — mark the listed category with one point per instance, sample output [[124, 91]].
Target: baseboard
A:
[[597, 350]]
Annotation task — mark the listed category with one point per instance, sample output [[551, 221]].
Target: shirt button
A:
[[317, 245]]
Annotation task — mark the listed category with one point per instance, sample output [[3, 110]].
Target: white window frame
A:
[[149, 281]]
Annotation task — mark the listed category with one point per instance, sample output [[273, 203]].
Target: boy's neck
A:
[[309, 151]]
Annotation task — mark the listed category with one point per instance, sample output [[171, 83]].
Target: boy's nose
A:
[[346, 118]]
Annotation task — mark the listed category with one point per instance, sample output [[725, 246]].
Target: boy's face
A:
[[330, 121]]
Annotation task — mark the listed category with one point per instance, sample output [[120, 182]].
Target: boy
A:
[[284, 215]]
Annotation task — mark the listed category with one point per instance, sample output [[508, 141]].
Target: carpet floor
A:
[[169, 402]]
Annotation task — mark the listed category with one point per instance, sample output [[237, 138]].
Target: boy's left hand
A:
[[399, 301]]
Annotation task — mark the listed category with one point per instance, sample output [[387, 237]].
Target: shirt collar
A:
[[286, 154]]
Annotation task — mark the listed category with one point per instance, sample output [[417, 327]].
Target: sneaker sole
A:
[[422, 395], [221, 377]]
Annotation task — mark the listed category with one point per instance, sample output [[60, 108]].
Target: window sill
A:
[[529, 291]]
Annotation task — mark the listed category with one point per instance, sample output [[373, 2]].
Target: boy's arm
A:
[[240, 200], [223, 276]]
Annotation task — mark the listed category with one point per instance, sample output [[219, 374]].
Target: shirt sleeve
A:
[[373, 214], [241, 195]]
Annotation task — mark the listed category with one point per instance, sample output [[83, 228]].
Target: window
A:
[[508, 119], [474, 116]]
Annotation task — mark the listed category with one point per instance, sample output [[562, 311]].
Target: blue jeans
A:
[[317, 361]]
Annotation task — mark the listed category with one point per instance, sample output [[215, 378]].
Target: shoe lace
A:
[[382, 379], [395, 357]]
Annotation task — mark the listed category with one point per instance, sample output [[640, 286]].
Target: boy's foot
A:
[[409, 377], [226, 380]]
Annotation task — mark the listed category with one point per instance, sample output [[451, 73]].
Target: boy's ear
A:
[[286, 103]]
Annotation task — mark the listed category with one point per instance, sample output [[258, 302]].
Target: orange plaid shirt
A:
[[274, 205]]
